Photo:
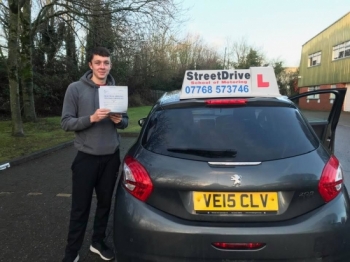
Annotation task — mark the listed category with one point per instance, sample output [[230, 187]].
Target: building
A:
[[325, 63]]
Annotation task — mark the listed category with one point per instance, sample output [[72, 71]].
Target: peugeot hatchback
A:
[[246, 175]]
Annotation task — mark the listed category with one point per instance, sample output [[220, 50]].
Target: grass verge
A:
[[47, 133], [135, 113]]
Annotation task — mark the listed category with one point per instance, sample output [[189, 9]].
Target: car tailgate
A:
[[270, 191]]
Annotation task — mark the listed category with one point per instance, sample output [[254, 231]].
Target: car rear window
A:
[[245, 134]]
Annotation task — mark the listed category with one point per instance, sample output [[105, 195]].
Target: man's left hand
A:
[[116, 118]]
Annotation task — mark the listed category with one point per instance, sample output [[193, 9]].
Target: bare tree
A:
[[13, 24], [240, 54], [138, 17], [26, 69]]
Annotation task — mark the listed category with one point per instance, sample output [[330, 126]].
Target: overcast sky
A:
[[279, 28]]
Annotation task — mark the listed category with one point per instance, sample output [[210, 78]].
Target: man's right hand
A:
[[99, 114]]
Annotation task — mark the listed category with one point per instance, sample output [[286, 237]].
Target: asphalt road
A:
[[34, 209], [35, 203]]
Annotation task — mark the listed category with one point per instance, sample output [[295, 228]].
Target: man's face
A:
[[100, 66]]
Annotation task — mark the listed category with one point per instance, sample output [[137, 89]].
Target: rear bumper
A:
[[144, 233]]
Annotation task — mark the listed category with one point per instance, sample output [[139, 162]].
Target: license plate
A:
[[250, 202]]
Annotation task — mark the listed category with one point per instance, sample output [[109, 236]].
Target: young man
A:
[[97, 162]]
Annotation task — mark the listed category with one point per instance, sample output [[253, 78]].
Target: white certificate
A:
[[114, 98]]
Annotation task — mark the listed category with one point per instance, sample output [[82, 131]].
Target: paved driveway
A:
[[34, 209]]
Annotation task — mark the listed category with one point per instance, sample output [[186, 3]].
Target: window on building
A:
[[315, 59], [313, 88], [341, 51], [332, 96]]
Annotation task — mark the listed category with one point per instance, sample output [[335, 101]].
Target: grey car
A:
[[234, 179]]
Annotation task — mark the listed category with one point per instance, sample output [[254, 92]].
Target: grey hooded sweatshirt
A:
[[80, 102]]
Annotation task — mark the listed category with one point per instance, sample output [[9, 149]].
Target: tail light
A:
[[220, 102], [136, 179], [331, 180], [238, 246]]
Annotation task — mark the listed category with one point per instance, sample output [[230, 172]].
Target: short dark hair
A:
[[101, 51]]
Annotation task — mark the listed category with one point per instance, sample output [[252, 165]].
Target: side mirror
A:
[[142, 121]]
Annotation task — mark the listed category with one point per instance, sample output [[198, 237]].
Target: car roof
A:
[[175, 97]]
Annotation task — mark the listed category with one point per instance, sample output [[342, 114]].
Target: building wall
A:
[[328, 71], [323, 103], [346, 106]]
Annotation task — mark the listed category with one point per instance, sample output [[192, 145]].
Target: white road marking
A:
[[39, 194], [63, 195], [5, 193], [34, 194]]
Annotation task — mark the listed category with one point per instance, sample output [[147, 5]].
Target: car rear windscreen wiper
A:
[[205, 152]]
